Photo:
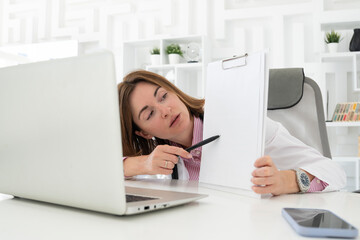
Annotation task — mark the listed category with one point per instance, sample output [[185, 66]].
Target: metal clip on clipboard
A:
[[240, 64]]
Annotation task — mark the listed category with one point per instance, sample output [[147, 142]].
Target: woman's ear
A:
[[143, 134]]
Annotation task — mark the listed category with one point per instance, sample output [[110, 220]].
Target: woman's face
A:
[[158, 112]]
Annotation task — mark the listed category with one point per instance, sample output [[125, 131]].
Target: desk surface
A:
[[222, 215]]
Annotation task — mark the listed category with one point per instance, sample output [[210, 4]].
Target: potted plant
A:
[[155, 56], [332, 40], [174, 51]]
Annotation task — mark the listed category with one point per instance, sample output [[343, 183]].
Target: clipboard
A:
[[235, 108]]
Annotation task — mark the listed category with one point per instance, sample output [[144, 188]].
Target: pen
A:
[[199, 144], [202, 143]]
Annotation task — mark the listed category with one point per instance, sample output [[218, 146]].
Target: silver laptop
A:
[[60, 139]]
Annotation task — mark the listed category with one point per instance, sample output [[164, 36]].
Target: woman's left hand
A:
[[268, 179]]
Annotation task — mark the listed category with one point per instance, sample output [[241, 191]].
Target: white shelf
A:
[[338, 55], [183, 39], [343, 124], [197, 65], [142, 43], [169, 39], [178, 66]]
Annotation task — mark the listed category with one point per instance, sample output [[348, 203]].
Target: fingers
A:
[[167, 164], [266, 177], [163, 159], [165, 171], [160, 167], [159, 155], [263, 181], [175, 151], [263, 161], [263, 172], [263, 190], [169, 157]]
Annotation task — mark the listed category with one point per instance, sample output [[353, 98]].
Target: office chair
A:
[[295, 101]]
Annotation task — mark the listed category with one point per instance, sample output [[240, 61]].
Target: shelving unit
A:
[[356, 162], [353, 57], [343, 129], [341, 86], [189, 77]]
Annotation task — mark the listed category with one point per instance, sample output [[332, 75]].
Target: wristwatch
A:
[[302, 180]]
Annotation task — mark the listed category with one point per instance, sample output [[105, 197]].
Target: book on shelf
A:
[[347, 112]]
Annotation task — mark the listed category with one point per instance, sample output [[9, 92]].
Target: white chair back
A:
[[302, 116]]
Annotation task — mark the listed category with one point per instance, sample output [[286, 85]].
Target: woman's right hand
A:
[[161, 161]]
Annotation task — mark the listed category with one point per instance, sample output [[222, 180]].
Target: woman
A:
[[158, 121]]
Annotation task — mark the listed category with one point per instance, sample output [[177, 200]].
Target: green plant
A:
[[174, 49], [332, 37], [155, 51]]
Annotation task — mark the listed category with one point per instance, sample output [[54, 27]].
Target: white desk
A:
[[222, 215]]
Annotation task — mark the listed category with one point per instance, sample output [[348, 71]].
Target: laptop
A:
[[60, 139]]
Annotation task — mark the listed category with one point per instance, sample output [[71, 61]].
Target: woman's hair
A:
[[134, 145]]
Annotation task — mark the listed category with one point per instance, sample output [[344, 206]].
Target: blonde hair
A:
[[134, 145]]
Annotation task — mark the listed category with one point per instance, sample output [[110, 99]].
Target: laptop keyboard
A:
[[135, 198]]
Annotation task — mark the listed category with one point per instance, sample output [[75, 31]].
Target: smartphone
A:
[[318, 223]]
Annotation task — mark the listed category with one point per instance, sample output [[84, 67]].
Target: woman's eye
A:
[[163, 97], [151, 113]]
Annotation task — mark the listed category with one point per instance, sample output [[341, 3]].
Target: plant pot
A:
[[333, 47], [155, 59], [174, 58]]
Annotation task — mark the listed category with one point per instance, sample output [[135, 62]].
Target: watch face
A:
[[304, 179]]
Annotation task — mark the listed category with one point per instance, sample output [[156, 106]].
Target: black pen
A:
[[202, 143], [199, 144]]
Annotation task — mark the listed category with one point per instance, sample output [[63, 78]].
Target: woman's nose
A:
[[165, 111]]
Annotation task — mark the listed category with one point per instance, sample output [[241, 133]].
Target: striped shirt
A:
[[193, 164]]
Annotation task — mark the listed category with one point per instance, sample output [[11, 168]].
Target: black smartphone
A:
[[318, 223]]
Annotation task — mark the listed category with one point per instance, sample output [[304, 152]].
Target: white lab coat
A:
[[288, 152]]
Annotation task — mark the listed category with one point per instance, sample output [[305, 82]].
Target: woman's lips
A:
[[175, 120]]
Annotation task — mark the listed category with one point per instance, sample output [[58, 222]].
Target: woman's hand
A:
[[161, 161], [268, 179]]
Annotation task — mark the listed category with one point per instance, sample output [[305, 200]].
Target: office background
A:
[[293, 31]]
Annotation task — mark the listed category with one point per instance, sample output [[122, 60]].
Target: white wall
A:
[[289, 28]]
